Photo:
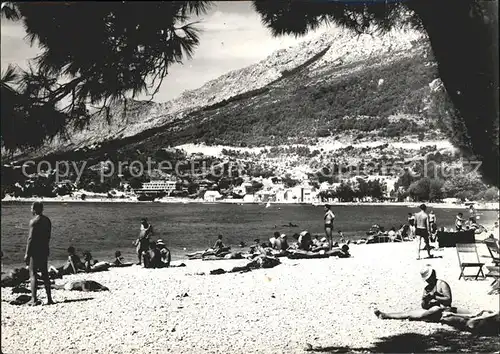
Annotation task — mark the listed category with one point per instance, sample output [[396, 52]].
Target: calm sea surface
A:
[[103, 228]]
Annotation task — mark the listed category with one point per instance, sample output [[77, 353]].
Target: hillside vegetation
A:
[[332, 115]]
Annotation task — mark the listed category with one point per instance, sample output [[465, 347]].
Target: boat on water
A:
[[146, 198], [268, 204]]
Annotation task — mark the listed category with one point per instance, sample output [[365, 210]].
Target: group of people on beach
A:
[[151, 254], [156, 255], [279, 245], [74, 263]]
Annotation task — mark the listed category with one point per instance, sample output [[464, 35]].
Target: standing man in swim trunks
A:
[[423, 229], [329, 217], [37, 251], [143, 241]]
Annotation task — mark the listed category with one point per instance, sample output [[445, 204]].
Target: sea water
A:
[[103, 228]]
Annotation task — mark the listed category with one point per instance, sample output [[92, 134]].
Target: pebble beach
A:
[[318, 305]]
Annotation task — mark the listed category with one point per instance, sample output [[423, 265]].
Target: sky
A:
[[232, 37]]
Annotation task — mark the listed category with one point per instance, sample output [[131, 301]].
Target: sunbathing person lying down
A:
[[484, 322], [436, 300], [81, 285]]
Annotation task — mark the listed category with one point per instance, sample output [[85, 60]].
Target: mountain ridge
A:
[[319, 54]]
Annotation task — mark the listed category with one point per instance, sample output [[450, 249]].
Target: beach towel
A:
[[20, 290], [217, 271], [307, 255]]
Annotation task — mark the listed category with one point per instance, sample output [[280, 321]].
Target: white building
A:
[[158, 186], [298, 194], [249, 198], [211, 196], [243, 188], [280, 196]]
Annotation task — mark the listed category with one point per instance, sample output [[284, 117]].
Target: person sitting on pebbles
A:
[[93, 265], [436, 300], [118, 259], [315, 241], [323, 244], [484, 323], [165, 255], [283, 242], [256, 248], [305, 241], [274, 241], [74, 263]]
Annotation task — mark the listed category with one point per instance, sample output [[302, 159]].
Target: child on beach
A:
[[118, 259], [341, 237]]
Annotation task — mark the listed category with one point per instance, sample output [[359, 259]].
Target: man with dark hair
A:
[[423, 229], [142, 242], [37, 251]]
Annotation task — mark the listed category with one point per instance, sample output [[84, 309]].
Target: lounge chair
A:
[[468, 258], [493, 249]]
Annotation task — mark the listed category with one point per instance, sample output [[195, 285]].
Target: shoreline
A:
[[179, 255], [479, 206]]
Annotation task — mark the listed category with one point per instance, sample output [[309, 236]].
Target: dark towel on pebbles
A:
[[20, 290], [217, 271], [21, 300]]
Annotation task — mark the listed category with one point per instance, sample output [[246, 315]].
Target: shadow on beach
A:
[[437, 342], [77, 300]]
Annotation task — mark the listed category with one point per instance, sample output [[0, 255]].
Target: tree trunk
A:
[[464, 38]]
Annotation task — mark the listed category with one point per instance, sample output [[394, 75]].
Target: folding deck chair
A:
[[494, 270], [468, 258], [493, 249]]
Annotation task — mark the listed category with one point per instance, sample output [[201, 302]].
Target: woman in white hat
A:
[[435, 300], [164, 252]]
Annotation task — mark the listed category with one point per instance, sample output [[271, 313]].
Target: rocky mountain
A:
[[338, 75]]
